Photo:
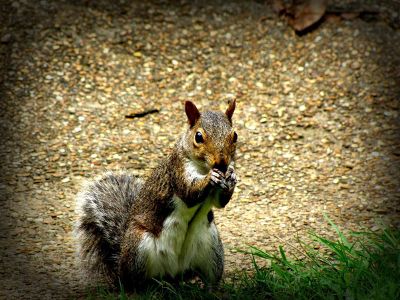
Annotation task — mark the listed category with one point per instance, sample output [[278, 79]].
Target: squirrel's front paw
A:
[[230, 178], [225, 182], [218, 179]]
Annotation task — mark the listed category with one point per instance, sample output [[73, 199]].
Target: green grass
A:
[[366, 268]]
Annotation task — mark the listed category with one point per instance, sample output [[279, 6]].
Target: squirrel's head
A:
[[210, 140]]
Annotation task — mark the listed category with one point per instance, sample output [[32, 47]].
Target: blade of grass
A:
[[336, 228]]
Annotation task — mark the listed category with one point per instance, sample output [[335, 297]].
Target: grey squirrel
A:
[[130, 230]]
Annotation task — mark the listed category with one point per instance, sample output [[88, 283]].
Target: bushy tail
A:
[[103, 207]]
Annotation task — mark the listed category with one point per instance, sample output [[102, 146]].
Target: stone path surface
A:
[[317, 118]]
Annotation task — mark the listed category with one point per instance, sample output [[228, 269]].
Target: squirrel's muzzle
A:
[[221, 166]]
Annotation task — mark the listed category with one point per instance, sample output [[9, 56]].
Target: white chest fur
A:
[[184, 243]]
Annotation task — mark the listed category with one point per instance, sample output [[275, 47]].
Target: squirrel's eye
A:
[[198, 137], [235, 137]]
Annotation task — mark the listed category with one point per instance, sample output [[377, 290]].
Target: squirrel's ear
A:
[[192, 113], [231, 108]]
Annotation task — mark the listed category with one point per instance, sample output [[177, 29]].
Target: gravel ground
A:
[[317, 119]]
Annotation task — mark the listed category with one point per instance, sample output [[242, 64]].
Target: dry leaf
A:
[[307, 13], [278, 6]]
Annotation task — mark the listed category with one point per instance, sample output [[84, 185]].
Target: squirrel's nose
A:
[[221, 165]]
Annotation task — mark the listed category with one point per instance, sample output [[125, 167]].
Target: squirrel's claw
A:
[[225, 183], [231, 178], [230, 173], [217, 178], [230, 170]]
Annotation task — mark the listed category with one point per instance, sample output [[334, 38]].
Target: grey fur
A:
[[103, 206]]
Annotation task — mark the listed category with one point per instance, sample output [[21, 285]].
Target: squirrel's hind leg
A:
[[211, 270]]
